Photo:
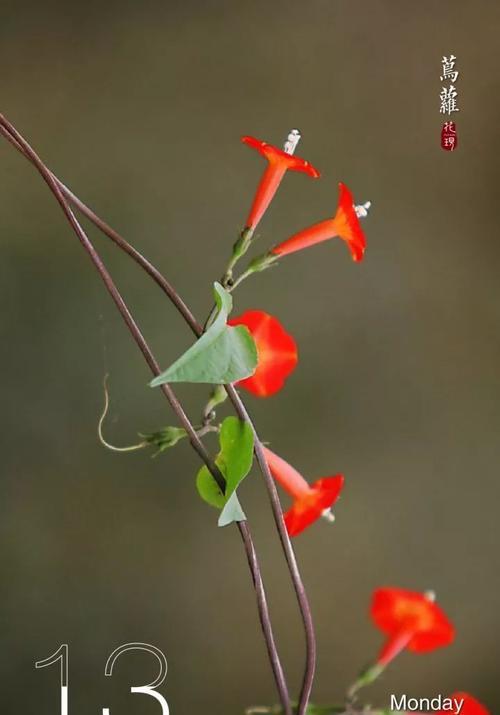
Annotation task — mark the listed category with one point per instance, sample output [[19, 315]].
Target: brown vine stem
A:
[[6, 129], [9, 131]]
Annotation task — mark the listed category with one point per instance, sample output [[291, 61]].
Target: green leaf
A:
[[222, 355], [209, 490], [234, 461], [218, 396], [232, 511], [236, 455]]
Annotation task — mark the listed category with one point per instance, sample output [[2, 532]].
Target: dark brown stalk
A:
[[239, 406], [9, 131], [305, 609]]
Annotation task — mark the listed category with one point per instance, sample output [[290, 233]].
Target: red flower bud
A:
[[410, 620], [276, 352], [310, 500], [278, 164], [470, 707], [345, 224]]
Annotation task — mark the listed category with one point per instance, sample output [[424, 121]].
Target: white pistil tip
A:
[[292, 141], [328, 515], [430, 596], [362, 209]]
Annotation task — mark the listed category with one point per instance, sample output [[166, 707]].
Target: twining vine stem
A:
[[62, 192], [9, 132]]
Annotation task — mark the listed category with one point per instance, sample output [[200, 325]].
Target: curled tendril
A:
[[104, 442]]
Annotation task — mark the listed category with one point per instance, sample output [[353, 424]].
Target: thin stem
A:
[[205, 429], [239, 249], [265, 618], [317, 709], [238, 404], [242, 277], [117, 298], [209, 320], [291, 560], [367, 677], [108, 231], [167, 391]]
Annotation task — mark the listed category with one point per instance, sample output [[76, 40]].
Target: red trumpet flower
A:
[[410, 620], [471, 706], [310, 500], [276, 352], [279, 162], [345, 224]]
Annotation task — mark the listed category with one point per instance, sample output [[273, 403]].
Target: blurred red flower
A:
[[310, 500], [470, 707], [279, 162], [345, 224], [411, 620], [276, 352]]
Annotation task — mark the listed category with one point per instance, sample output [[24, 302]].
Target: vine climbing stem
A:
[[61, 194], [65, 196]]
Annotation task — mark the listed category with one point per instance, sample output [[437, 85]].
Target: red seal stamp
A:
[[449, 136]]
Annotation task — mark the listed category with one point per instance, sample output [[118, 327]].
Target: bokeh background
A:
[[139, 107]]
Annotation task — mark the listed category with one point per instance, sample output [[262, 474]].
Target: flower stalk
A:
[[239, 249]]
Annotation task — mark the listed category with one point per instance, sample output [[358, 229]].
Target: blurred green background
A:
[[139, 107]]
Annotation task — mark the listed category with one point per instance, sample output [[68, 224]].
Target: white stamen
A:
[[430, 596], [362, 209], [328, 515], [292, 141]]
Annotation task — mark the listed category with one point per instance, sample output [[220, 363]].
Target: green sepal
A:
[[261, 263], [165, 438], [242, 244]]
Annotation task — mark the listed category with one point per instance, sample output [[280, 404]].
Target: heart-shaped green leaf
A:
[[234, 461], [223, 354]]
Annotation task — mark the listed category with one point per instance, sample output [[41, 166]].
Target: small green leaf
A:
[[223, 299], [209, 490], [222, 355], [236, 455], [218, 396], [232, 511], [234, 461]]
